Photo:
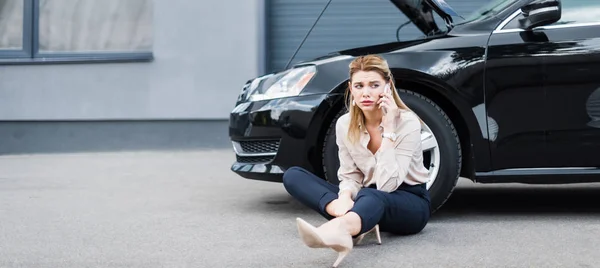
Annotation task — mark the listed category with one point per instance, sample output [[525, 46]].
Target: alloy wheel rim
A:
[[430, 146]]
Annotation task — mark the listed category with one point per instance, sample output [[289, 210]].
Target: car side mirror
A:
[[540, 12]]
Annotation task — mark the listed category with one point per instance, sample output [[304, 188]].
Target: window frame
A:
[[26, 47], [30, 54]]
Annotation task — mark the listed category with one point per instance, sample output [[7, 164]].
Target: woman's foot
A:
[[334, 234]]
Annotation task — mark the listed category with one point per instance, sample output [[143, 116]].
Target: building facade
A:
[[84, 75]]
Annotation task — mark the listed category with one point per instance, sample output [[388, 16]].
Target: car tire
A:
[[442, 128]]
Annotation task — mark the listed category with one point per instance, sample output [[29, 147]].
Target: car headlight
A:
[[287, 84]]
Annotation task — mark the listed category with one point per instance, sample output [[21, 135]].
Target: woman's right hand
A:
[[339, 207]]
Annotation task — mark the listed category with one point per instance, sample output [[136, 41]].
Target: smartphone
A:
[[386, 90]]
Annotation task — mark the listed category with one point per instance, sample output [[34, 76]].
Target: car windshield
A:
[[488, 11]]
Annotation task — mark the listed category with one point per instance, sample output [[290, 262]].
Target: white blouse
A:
[[388, 168]]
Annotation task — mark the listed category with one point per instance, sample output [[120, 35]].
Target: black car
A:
[[509, 94]]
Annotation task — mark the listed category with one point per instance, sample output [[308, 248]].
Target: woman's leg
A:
[[399, 212], [310, 190], [409, 212]]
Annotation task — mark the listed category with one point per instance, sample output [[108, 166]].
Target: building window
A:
[[95, 26], [11, 24], [73, 30]]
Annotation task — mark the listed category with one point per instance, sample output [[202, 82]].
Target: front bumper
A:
[[269, 136]]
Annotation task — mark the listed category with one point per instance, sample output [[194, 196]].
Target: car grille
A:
[[250, 147], [254, 159], [260, 151]]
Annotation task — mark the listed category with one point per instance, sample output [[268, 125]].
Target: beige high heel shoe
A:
[[360, 237], [337, 239]]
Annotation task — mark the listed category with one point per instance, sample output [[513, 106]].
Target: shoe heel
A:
[[377, 234], [341, 256], [358, 239]]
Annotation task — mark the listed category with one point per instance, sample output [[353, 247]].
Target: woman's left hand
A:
[[386, 101]]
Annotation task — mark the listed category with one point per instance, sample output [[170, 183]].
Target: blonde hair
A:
[[368, 63]]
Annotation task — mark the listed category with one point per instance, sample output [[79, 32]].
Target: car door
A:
[[570, 51], [515, 100], [572, 86]]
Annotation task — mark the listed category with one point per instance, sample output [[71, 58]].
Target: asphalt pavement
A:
[[187, 209]]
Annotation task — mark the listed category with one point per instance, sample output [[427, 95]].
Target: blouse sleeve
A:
[[349, 175]]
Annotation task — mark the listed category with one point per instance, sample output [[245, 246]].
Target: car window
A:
[[573, 11], [489, 10]]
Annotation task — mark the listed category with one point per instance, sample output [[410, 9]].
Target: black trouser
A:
[[404, 211]]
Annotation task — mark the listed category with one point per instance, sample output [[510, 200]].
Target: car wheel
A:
[[439, 139]]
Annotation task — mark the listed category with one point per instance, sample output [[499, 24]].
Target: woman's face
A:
[[366, 88]]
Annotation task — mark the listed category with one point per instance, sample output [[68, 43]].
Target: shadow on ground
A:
[[524, 200], [281, 202], [489, 201]]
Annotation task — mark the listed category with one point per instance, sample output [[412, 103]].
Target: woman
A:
[[382, 177]]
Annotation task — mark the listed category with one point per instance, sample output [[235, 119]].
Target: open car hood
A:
[[420, 12]]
